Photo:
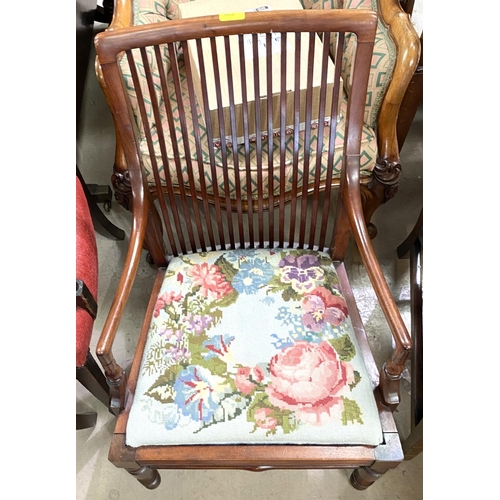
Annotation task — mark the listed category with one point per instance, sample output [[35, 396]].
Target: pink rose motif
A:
[[309, 379], [165, 300], [246, 379], [212, 282], [263, 420], [320, 306]]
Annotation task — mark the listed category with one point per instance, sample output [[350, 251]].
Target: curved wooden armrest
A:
[[104, 346], [392, 370]]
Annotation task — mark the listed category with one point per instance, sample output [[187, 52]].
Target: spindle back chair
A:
[[393, 64], [247, 235]]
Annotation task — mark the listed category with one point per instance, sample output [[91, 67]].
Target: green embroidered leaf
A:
[[226, 268], [233, 406], [169, 273], [215, 365], [331, 280], [351, 412], [344, 347], [261, 400], [228, 299], [162, 388], [287, 421], [324, 260], [276, 283], [290, 294], [357, 378]]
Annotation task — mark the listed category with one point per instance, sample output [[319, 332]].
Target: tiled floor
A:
[[97, 479]]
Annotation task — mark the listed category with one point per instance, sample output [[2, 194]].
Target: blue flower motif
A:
[[252, 275], [300, 332], [197, 393], [285, 316], [218, 346], [268, 300], [281, 343], [241, 254], [172, 416]]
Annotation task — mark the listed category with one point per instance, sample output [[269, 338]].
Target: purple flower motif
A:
[[196, 323], [176, 353], [302, 272], [172, 335], [198, 393], [320, 307]]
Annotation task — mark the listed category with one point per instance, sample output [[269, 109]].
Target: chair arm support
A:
[[392, 370], [408, 53], [123, 15], [112, 371]]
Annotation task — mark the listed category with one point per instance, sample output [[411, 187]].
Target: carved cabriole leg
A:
[[382, 187], [123, 457], [388, 456]]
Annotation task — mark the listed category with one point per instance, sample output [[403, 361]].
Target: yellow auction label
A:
[[233, 16]]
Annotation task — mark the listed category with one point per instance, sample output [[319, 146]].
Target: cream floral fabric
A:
[[184, 151], [252, 346]]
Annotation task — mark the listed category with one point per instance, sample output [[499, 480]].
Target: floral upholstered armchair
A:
[[395, 58]]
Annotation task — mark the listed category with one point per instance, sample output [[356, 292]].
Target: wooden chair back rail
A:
[[208, 217], [194, 238]]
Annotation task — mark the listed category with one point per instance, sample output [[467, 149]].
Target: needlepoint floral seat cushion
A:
[[252, 346], [151, 11]]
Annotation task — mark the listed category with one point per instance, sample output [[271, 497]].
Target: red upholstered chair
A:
[[87, 370]]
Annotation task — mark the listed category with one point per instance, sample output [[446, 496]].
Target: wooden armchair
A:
[[393, 64], [252, 353]]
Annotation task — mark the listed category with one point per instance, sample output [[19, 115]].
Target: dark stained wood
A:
[[85, 420], [272, 226], [413, 246], [91, 377]]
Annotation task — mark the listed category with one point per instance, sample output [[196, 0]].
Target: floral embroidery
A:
[[302, 272], [165, 300], [202, 375], [252, 275], [321, 307], [308, 379], [209, 278], [198, 392]]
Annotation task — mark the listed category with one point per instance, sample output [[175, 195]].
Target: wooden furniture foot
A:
[[148, 477], [363, 478], [389, 456]]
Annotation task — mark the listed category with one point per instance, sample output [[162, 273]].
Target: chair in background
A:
[[252, 342], [88, 372], [393, 65], [413, 247]]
